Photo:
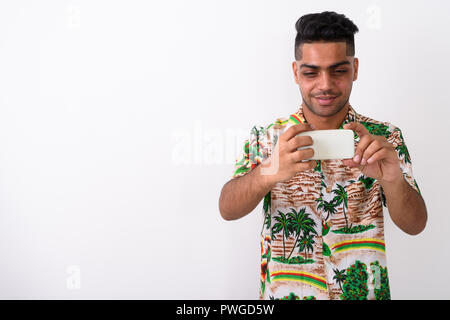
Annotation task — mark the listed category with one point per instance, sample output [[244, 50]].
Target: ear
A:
[[296, 75], [355, 68]]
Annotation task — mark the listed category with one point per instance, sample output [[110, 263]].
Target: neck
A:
[[323, 123]]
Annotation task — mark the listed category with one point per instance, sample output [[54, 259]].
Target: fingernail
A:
[[363, 161], [356, 158]]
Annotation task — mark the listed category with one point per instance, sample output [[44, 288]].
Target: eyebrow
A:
[[330, 67]]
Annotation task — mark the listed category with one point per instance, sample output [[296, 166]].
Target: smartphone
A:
[[331, 144]]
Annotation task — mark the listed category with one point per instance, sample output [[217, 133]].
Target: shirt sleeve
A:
[[396, 138], [252, 153]]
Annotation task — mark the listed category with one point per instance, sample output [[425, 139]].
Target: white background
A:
[[120, 122]]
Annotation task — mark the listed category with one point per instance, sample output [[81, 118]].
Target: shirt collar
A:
[[351, 116]]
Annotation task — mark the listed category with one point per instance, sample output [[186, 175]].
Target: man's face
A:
[[325, 76]]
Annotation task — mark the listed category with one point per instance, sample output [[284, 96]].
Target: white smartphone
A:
[[331, 144]]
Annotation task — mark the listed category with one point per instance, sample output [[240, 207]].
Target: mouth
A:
[[325, 100]]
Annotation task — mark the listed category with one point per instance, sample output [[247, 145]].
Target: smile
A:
[[325, 100]]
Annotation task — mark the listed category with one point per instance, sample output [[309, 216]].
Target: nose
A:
[[325, 82]]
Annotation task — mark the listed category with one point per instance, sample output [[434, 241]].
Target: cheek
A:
[[345, 85], [306, 87]]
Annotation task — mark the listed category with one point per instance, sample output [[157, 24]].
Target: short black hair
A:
[[324, 26]]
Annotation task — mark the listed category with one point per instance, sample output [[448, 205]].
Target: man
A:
[[323, 234]]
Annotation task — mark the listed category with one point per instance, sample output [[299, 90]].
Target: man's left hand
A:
[[375, 156]]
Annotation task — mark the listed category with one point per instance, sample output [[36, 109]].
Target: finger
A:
[[379, 155], [297, 142], [364, 142], [374, 146], [350, 163], [303, 166], [294, 130], [303, 154], [358, 128]]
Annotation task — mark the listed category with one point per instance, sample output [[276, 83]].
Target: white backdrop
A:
[[120, 122]]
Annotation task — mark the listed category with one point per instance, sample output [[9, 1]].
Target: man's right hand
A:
[[286, 161]]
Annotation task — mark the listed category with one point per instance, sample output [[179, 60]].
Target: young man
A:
[[322, 234]]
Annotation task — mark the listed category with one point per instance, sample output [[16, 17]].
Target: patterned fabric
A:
[[323, 231]]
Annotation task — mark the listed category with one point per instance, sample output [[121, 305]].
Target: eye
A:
[[341, 71], [309, 74]]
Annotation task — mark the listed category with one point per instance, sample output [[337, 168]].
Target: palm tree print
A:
[[368, 181], [328, 206], [306, 244], [300, 222], [339, 276], [267, 212], [282, 225], [377, 129], [341, 198], [403, 151]]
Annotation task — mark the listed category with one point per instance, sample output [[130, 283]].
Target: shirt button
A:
[[328, 189], [332, 259]]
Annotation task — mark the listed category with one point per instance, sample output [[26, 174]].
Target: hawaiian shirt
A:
[[322, 230]]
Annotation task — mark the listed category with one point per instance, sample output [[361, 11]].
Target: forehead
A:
[[324, 53]]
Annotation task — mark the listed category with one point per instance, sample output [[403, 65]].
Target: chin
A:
[[326, 111]]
